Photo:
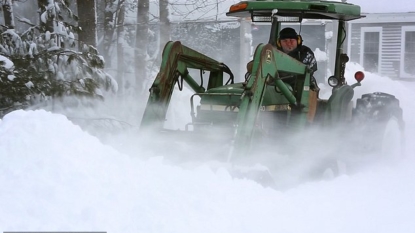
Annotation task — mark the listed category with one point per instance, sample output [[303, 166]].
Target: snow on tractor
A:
[[275, 106]]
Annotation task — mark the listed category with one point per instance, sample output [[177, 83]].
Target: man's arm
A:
[[308, 58]]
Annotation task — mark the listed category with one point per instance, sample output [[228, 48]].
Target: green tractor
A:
[[267, 111]]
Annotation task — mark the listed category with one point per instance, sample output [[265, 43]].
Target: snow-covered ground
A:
[[56, 177]]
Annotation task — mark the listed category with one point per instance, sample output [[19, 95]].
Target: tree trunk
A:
[[164, 24], [87, 22], [8, 14], [141, 44], [110, 8], [120, 47]]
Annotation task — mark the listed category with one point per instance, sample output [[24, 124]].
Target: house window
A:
[[370, 48], [409, 53], [371, 51], [407, 61]]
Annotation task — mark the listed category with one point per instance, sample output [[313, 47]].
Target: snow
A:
[[11, 77], [320, 55], [47, 35], [43, 17], [57, 177], [328, 35], [8, 64]]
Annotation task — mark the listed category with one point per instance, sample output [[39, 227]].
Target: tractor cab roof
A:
[[302, 9]]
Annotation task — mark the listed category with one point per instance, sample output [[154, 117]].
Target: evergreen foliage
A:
[[46, 64]]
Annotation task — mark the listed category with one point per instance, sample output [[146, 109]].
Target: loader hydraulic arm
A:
[[268, 61], [177, 59]]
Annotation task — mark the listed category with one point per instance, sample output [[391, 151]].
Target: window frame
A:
[[402, 73], [363, 30]]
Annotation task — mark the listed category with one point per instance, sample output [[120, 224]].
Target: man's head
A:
[[288, 40]]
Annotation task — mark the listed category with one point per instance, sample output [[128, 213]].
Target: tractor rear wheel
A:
[[379, 118], [378, 136]]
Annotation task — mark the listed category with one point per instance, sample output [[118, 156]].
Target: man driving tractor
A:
[[291, 43]]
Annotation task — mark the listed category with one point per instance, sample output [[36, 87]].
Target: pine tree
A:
[[45, 63]]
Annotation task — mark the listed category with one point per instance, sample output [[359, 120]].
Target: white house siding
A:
[[391, 50], [354, 44], [390, 25]]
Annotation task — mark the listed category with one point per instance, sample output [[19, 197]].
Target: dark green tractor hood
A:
[[304, 9]]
